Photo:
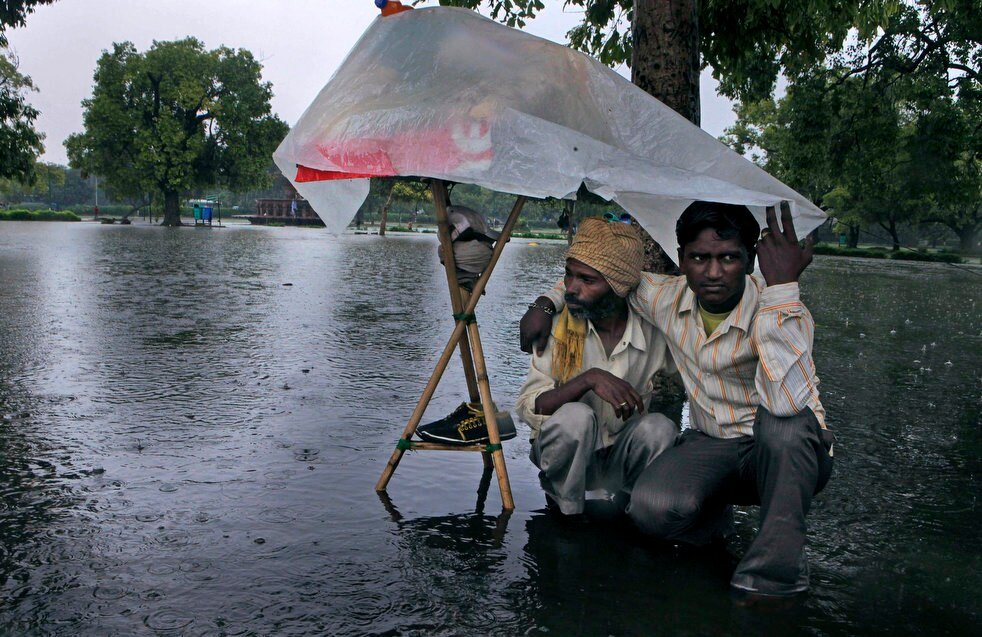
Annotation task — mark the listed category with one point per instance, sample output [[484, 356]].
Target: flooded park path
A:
[[192, 423]]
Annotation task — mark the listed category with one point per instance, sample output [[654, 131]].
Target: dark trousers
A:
[[683, 494]]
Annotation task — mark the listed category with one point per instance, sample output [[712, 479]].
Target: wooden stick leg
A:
[[497, 456], [458, 296], [421, 406]]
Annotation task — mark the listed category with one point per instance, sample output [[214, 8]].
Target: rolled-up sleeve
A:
[[783, 334], [538, 382]]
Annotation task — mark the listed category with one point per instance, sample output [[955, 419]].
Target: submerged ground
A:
[[192, 423]]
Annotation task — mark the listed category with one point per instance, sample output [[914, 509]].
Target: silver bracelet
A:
[[545, 308]]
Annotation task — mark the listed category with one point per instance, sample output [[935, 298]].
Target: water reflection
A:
[[192, 423]]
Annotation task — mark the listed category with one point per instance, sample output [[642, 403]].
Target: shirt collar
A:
[[633, 334], [741, 316]]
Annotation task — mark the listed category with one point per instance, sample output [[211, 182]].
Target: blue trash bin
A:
[[206, 214]]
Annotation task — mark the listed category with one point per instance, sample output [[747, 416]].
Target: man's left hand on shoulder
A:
[[780, 257]]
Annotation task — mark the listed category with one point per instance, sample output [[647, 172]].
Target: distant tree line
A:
[[880, 124]]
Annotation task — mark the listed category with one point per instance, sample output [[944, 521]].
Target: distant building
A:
[[287, 212]]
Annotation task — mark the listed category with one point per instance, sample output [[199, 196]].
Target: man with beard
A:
[[586, 397]]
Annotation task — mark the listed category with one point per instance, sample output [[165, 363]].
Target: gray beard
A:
[[605, 307]]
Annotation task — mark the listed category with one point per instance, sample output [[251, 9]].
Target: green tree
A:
[[20, 142], [946, 151], [177, 118], [886, 134]]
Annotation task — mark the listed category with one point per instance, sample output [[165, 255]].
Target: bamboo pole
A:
[[441, 365], [497, 456], [424, 401], [450, 265], [476, 395]]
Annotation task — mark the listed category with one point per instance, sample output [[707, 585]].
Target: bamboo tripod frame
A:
[[467, 339]]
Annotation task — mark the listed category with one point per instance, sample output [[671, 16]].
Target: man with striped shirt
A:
[[757, 428]]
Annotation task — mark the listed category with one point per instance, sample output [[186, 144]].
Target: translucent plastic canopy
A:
[[449, 94]]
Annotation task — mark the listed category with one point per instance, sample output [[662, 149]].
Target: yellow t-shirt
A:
[[711, 321]]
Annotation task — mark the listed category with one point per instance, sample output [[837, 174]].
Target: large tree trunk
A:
[[172, 209], [891, 227], [665, 64], [968, 239], [385, 210], [665, 61], [852, 239]]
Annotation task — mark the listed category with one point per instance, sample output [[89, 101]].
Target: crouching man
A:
[[587, 391], [757, 430]]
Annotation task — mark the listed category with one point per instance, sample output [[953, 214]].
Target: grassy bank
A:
[[904, 254], [38, 215]]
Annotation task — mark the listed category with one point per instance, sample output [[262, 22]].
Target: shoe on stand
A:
[[466, 426]]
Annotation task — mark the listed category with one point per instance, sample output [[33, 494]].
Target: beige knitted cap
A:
[[613, 249]]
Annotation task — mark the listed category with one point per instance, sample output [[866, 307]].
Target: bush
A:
[[539, 235], [868, 253], [932, 257], [30, 205], [38, 215], [110, 210], [879, 252]]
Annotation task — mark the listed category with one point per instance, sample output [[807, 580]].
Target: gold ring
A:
[[765, 232]]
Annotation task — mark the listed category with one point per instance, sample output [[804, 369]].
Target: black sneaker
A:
[[466, 426]]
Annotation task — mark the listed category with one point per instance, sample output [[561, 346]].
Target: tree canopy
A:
[[176, 118], [13, 13], [20, 142], [887, 133], [747, 42]]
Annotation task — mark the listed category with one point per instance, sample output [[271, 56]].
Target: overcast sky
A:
[[299, 42]]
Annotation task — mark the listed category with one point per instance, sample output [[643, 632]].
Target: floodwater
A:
[[192, 423]]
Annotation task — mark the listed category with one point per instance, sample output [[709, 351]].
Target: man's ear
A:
[[681, 255], [751, 257]]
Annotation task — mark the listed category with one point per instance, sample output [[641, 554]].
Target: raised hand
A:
[[781, 258]]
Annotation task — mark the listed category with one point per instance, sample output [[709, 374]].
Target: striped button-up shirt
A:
[[636, 358], [759, 355]]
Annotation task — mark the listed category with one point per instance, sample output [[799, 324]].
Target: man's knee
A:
[[572, 425], [656, 432], [797, 438], [779, 434], [661, 512], [572, 420]]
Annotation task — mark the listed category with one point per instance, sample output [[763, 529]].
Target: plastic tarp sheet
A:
[[448, 94]]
